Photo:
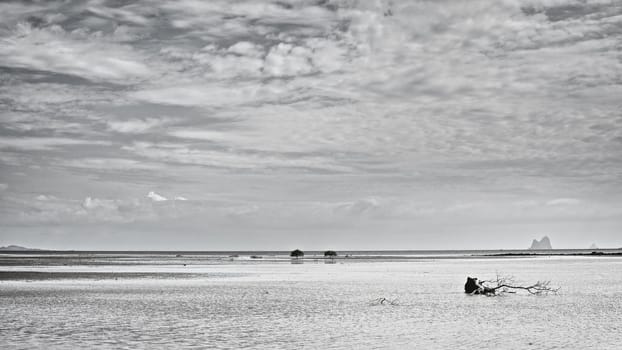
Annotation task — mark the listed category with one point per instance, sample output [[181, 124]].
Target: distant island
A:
[[16, 248], [542, 244], [593, 246]]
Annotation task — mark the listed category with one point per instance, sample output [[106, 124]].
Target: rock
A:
[[543, 244]]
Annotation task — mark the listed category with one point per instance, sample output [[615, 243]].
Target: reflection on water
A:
[[319, 305]]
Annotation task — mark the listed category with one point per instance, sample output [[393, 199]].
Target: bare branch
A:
[[506, 284], [539, 288], [384, 301]]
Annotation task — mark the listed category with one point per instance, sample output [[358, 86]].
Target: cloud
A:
[[563, 201], [135, 125], [43, 143], [286, 60], [207, 95], [46, 209], [95, 203], [77, 53], [104, 210], [245, 48], [207, 135], [110, 164], [359, 207], [396, 112], [156, 197], [230, 159]]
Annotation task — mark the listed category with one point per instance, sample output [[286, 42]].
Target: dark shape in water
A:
[[472, 286], [505, 284], [330, 253], [297, 253]]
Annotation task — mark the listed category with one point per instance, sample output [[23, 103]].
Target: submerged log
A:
[[472, 286], [506, 285]]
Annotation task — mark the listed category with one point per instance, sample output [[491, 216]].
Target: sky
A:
[[273, 125]]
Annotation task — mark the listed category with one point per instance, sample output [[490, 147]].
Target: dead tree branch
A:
[[384, 301], [506, 284]]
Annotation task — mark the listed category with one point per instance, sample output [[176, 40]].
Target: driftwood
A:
[[384, 301], [474, 286], [506, 284]]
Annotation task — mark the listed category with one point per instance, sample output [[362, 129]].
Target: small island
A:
[[542, 244], [15, 248], [297, 253], [330, 254]]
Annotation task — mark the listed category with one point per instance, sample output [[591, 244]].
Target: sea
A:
[[268, 300]]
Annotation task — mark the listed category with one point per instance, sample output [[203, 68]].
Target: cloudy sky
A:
[[210, 125]]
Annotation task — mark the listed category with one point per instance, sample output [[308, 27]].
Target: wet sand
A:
[[311, 304], [119, 258], [47, 276]]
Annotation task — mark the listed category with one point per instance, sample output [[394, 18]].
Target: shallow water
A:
[[316, 305]]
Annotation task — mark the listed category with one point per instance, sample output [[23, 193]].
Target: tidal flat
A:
[[238, 302]]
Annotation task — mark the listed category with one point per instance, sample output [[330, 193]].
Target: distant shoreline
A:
[[593, 253], [341, 253], [94, 265], [74, 257]]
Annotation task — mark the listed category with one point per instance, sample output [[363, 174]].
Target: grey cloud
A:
[[111, 164], [77, 54], [42, 143], [358, 116], [135, 125], [563, 201], [181, 154]]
